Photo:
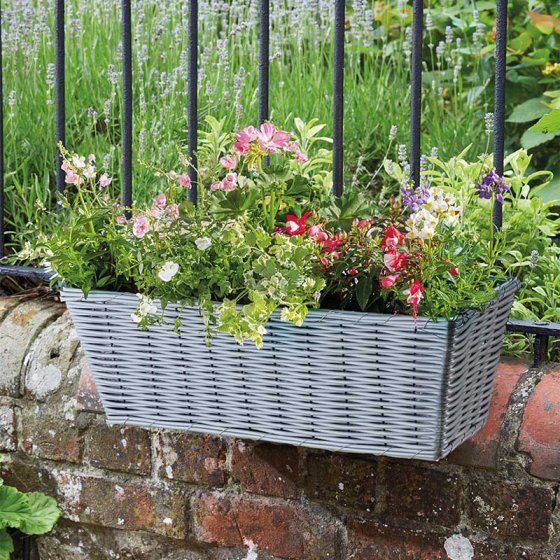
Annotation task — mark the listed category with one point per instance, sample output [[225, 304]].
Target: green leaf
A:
[[550, 192], [44, 514], [6, 545], [549, 124], [532, 138], [14, 507], [364, 291], [530, 110]]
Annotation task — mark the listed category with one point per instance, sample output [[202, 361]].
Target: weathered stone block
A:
[[8, 440], [18, 330]]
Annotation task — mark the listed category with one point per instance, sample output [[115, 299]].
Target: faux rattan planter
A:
[[344, 381]]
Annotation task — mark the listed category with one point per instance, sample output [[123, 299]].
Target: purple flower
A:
[[492, 184], [415, 198]]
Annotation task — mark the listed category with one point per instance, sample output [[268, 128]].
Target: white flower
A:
[[89, 172], [146, 307], [79, 162], [167, 271], [203, 243], [421, 224]]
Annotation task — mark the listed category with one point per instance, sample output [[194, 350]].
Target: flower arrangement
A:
[[268, 235]]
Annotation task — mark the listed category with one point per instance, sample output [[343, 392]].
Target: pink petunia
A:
[[184, 181], [173, 211], [105, 181], [73, 178], [244, 138], [160, 200], [271, 139], [121, 219], [229, 163], [300, 157], [141, 226], [217, 186]]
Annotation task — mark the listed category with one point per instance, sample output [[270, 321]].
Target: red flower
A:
[[394, 260], [331, 244], [318, 233], [453, 271], [352, 271], [295, 225], [392, 237], [388, 281], [414, 294]]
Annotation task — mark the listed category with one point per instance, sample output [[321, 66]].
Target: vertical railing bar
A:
[[338, 97], [193, 99], [499, 100], [126, 194], [416, 91], [2, 239], [60, 88], [264, 61]]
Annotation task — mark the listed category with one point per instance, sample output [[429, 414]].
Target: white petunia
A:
[[167, 271], [203, 243]]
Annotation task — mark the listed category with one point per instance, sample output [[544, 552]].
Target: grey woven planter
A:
[[344, 381]]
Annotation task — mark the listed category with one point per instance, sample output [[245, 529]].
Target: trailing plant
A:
[[30, 514], [267, 235]]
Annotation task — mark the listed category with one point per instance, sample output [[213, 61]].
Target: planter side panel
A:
[[343, 381], [475, 345]]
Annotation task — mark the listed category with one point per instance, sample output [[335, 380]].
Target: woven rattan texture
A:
[[344, 381]]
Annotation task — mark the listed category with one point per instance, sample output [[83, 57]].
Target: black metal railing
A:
[[541, 330]]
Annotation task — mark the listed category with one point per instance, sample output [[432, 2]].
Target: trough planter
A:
[[344, 381]]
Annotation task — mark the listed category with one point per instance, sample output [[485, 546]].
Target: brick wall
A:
[[130, 493]]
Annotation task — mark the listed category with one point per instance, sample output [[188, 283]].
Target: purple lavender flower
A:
[[492, 184], [415, 198]]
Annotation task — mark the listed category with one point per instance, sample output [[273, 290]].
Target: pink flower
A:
[[352, 271], [104, 181], [173, 211], [121, 219], [217, 186], [244, 138], [301, 157], [72, 178], [331, 244], [317, 233], [293, 146], [65, 167], [414, 294], [141, 226], [394, 260], [229, 163], [155, 212], [392, 238], [388, 281], [185, 181], [160, 200], [271, 139]]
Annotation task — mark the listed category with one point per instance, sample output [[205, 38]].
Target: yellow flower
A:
[[551, 69]]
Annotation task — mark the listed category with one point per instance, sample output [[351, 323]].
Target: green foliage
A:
[[32, 514]]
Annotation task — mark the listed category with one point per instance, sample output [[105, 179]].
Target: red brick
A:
[[278, 529], [481, 450], [368, 540], [540, 430], [342, 480], [88, 395], [422, 494], [193, 458], [45, 434], [131, 506], [507, 509], [120, 448], [267, 469]]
